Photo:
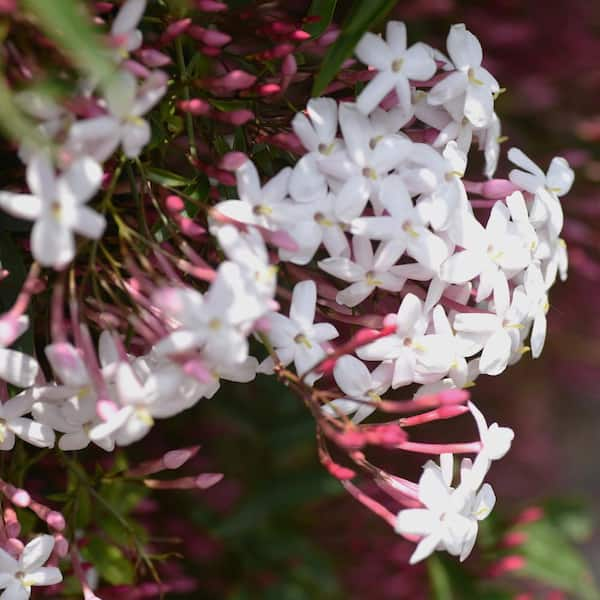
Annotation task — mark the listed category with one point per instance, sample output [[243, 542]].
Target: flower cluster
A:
[[371, 264]]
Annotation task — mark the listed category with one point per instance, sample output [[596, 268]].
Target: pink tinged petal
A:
[[15, 591], [36, 552], [451, 87], [373, 51], [323, 114], [88, 223], [17, 368], [129, 388], [44, 576], [128, 17], [136, 134], [67, 363], [419, 65], [304, 301], [37, 434], [463, 47], [342, 268], [74, 441], [22, 206], [375, 91], [354, 294], [120, 94], [352, 376], [560, 176], [462, 266], [111, 426], [479, 105], [80, 181], [416, 521], [52, 244], [496, 353], [352, 198], [40, 176], [306, 183], [355, 128], [238, 210]]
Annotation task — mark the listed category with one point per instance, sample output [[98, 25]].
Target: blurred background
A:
[[278, 526]]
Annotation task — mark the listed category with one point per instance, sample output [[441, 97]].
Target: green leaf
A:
[[323, 9], [363, 15], [111, 563], [166, 178], [69, 24]]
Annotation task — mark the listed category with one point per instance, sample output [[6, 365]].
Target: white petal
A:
[[419, 65], [306, 183], [304, 301], [462, 267], [80, 181], [15, 591], [40, 176], [352, 376], [89, 223], [352, 198], [463, 47], [52, 244], [67, 363], [248, 183], [375, 91], [415, 521], [479, 105], [18, 368], [120, 93], [7, 563], [355, 129], [74, 441], [43, 576], [342, 268], [452, 86], [496, 353], [373, 51], [22, 206], [409, 313], [538, 334], [36, 552], [354, 294], [424, 548], [323, 114], [37, 434], [484, 502], [135, 136], [128, 17], [560, 176]]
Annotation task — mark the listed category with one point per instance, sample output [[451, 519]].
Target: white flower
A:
[[297, 338], [264, 206], [17, 577], [494, 254], [12, 423], [355, 380], [470, 87], [535, 288], [16, 367], [126, 103], [217, 322], [317, 131], [449, 518], [547, 187], [417, 357], [403, 227], [57, 205], [124, 27], [396, 65], [366, 272], [499, 335]]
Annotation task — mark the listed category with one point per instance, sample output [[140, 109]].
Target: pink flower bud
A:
[[55, 520], [61, 545], [211, 51], [14, 547], [268, 89], [232, 161], [514, 538], [174, 204], [236, 117], [498, 189], [530, 515], [176, 458], [11, 522], [235, 80], [153, 58], [300, 36], [207, 480], [174, 30], [388, 435], [136, 69], [195, 106], [508, 564], [210, 6], [289, 67]]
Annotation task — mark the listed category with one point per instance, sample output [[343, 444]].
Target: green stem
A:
[[186, 95]]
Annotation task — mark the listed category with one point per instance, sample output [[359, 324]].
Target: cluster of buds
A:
[[394, 268]]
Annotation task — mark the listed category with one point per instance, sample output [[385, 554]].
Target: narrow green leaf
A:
[[323, 9], [70, 25], [166, 178], [363, 16]]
